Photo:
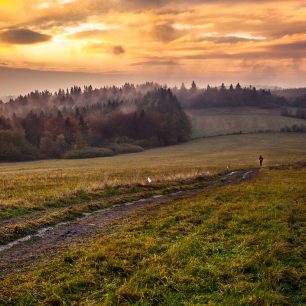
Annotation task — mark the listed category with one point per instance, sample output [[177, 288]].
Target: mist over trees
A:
[[232, 96], [65, 100], [291, 94], [44, 125], [111, 120]]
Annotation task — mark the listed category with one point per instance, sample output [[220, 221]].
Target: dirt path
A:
[[20, 254]]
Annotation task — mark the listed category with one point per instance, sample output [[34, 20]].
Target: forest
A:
[[291, 94], [232, 96], [91, 122], [70, 123]]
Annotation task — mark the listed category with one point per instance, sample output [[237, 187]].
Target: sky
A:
[[58, 43]]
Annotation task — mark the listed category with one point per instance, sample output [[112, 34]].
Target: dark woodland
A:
[[87, 122], [233, 96], [119, 120]]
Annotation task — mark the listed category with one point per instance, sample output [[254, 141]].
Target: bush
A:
[[152, 142], [89, 153], [113, 149], [126, 148]]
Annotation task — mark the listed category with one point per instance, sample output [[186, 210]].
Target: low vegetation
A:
[[111, 150], [237, 245], [88, 153], [126, 148]]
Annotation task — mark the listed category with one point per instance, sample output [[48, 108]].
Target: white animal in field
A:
[[149, 180]]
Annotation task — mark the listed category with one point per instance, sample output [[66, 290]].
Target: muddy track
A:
[[19, 255]]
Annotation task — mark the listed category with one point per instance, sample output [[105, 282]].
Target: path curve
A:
[[18, 255]]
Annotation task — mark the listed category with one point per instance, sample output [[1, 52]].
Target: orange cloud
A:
[[162, 39]]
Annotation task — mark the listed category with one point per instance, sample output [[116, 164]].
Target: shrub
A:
[[126, 148], [152, 142], [89, 153]]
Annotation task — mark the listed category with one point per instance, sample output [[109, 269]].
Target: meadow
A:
[[235, 245], [34, 194], [223, 121]]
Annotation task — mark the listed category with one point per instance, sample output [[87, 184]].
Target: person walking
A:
[[261, 160]]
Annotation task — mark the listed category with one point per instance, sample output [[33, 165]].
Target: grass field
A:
[[33, 194], [223, 121], [34, 185], [237, 245]]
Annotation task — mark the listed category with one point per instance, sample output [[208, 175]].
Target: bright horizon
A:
[[59, 43]]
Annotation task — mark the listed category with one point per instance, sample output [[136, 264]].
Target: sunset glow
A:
[[258, 42]]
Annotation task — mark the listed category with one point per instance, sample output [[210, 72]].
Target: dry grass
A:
[[29, 186]]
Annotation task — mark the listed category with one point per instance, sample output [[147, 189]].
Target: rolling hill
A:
[[224, 121]]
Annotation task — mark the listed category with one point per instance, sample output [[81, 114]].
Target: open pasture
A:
[[223, 121]]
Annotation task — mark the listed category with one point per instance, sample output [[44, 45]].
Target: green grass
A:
[[71, 208], [223, 121], [61, 189], [237, 245]]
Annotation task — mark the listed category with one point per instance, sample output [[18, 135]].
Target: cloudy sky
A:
[[46, 44]]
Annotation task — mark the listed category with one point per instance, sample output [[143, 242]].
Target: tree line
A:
[[291, 94], [232, 96], [44, 124], [65, 100], [147, 116]]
